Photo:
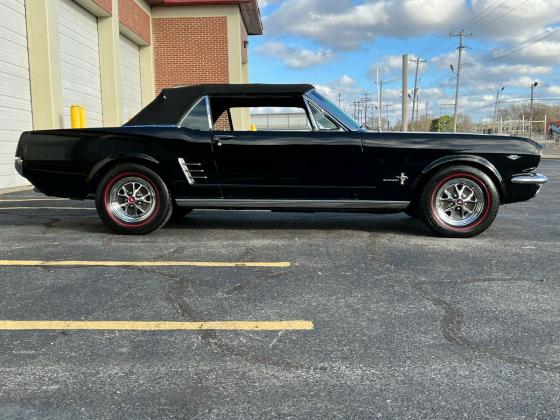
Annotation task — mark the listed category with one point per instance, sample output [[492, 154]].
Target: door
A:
[[288, 165], [79, 62], [131, 92], [15, 93]]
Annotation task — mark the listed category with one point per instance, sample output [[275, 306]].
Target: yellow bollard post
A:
[[75, 116], [83, 120]]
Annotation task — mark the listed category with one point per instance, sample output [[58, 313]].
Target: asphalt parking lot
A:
[[336, 315]]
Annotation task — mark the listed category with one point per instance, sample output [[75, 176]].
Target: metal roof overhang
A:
[[249, 10]]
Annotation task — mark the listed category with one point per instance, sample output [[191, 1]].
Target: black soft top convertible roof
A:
[[171, 104]]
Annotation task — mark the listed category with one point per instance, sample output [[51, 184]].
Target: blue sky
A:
[[337, 44]]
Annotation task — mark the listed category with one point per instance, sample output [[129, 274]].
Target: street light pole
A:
[[533, 86], [496, 109]]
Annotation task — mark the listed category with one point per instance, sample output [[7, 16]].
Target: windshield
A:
[[333, 110]]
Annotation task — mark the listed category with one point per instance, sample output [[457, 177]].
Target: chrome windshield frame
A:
[[308, 101]]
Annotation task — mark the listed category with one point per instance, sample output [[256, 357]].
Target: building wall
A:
[[216, 55], [178, 45], [190, 50]]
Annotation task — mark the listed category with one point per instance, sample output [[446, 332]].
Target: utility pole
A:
[[427, 123], [388, 124], [379, 102], [418, 102], [366, 100], [461, 47], [496, 109], [418, 60], [405, 92], [339, 100], [533, 86]]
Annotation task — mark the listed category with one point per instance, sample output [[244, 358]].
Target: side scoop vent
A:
[[193, 171]]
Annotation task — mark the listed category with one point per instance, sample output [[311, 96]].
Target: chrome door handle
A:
[[221, 137], [218, 138]]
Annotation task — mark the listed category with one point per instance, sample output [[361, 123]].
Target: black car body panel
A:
[[346, 164]]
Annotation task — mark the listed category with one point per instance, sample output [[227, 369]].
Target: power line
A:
[[531, 41], [507, 12], [471, 21]]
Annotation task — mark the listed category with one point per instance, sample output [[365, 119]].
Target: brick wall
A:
[[189, 50], [105, 4], [135, 18]]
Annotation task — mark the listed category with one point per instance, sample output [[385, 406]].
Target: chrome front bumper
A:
[[529, 179]]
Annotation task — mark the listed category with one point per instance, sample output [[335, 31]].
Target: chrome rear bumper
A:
[[529, 179]]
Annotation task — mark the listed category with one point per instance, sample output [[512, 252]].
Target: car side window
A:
[[197, 118], [323, 122]]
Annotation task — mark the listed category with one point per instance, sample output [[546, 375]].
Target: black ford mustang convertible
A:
[[192, 148]]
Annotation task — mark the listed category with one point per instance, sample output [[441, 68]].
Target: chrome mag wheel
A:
[[132, 199], [459, 202]]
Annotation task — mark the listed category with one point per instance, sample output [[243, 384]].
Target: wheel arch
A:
[[469, 160], [104, 165]]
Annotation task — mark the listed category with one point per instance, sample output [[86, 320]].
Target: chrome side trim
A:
[[529, 179], [295, 204]]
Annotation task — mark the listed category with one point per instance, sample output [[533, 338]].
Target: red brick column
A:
[[135, 18], [105, 4], [190, 50]]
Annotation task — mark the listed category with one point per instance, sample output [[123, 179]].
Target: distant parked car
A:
[[189, 149]]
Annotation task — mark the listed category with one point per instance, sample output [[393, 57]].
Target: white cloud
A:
[[296, 58], [341, 24]]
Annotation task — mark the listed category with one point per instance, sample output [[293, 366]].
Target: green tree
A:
[[442, 124]]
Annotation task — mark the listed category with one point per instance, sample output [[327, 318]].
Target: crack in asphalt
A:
[[452, 325], [249, 283], [176, 297]]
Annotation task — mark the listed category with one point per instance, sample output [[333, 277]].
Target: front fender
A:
[[479, 161]]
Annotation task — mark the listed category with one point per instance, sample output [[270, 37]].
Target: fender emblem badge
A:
[[513, 157], [401, 178]]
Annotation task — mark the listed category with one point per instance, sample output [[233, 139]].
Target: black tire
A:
[[180, 212], [132, 212], [452, 215]]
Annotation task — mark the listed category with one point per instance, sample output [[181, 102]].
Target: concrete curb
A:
[[16, 189]]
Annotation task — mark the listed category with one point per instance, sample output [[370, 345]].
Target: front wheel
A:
[[459, 202], [133, 199]]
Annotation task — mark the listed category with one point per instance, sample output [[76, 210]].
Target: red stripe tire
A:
[[459, 202], [133, 199]]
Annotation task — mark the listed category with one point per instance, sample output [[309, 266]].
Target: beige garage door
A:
[[15, 93], [79, 57], [131, 92]]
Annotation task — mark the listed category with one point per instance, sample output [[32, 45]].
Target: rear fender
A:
[[100, 166]]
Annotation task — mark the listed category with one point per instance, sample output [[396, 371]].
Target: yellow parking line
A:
[[156, 325], [41, 263], [46, 208]]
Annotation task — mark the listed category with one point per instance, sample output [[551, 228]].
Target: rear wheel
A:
[[133, 199], [459, 202]]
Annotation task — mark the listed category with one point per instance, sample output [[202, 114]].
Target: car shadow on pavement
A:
[[236, 220], [254, 220]]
